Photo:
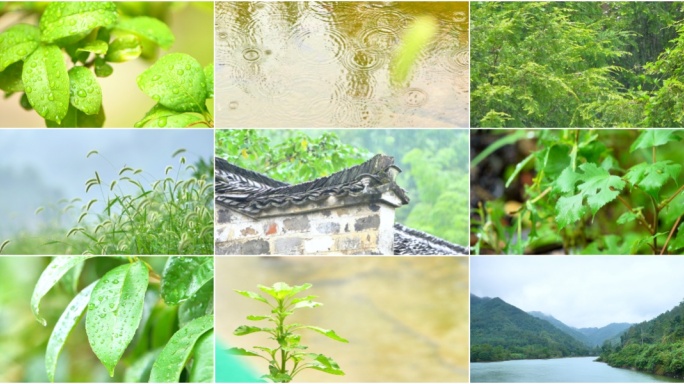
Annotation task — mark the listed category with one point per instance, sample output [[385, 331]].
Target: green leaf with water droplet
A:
[[86, 94], [76, 19], [171, 361], [66, 323], [162, 117], [176, 81], [77, 119], [209, 75], [148, 28], [17, 42], [201, 303], [97, 47], [115, 311], [183, 276], [47, 83], [202, 370], [10, 78], [125, 48], [58, 267]]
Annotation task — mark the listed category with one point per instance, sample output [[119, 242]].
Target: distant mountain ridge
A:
[[500, 331], [591, 337]]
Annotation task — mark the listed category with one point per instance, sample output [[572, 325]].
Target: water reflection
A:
[[406, 317], [325, 64]]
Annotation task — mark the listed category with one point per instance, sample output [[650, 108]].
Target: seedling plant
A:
[[94, 35], [142, 325], [287, 358], [592, 195]]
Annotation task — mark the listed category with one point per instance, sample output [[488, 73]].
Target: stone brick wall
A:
[[335, 226]]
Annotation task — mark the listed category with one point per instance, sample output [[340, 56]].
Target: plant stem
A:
[[638, 215], [666, 202], [674, 227], [655, 223]]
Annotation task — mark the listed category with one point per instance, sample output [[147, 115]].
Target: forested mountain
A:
[[655, 346], [591, 337], [500, 331]]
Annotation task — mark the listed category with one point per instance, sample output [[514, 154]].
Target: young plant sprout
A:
[[288, 358]]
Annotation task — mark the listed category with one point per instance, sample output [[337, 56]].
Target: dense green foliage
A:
[[594, 192], [148, 320], [93, 35], [290, 350], [434, 166], [500, 331], [655, 346], [170, 216], [591, 337], [576, 64]]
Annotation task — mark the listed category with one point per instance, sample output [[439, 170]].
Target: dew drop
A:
[[155, 97], [102, 315], [156, 77], [51, 97], [81, 93], [162, 122], [116, 281], [29, 90], [180, 72]]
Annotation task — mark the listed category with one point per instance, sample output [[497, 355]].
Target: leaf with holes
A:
[[176, 81], [115, 310]]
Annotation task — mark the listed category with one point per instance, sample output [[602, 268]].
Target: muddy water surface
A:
[[406, 319], [326, 64]]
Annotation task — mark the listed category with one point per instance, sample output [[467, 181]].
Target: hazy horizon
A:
[[583, 291]]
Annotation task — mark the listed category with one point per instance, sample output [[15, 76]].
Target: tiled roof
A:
[[250, 193]]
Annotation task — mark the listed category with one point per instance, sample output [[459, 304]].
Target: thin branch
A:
[[666, 202], [639, 216], [674, 227]]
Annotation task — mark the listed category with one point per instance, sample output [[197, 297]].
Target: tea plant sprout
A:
[[288, 358]]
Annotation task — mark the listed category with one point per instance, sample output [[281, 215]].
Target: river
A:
[[567, 370]]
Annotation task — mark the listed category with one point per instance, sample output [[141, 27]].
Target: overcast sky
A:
[[583, 291], [59, 156]]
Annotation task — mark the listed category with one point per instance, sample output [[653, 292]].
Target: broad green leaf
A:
[[148, 28], [176, 81], [652, 177], [97, 47], [75, 19], [172, 359], [125, 48], [241, 352], [47, 83], [17, 42], [247, 329], [115, 311], [77, 119], [327, 332], [252, 295], [66, 323], [70, 280], [209, 75], [202, 370], [566, 181], [102, 69], [139, 371], [86, 94], [654, 138], [162, 117], [183, 276], [10, 78], [58, 267], [164, 325], [326, 364], [201, 303], [569, 210]]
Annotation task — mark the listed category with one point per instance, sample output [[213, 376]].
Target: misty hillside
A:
[[591, 337], [500, 331]]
